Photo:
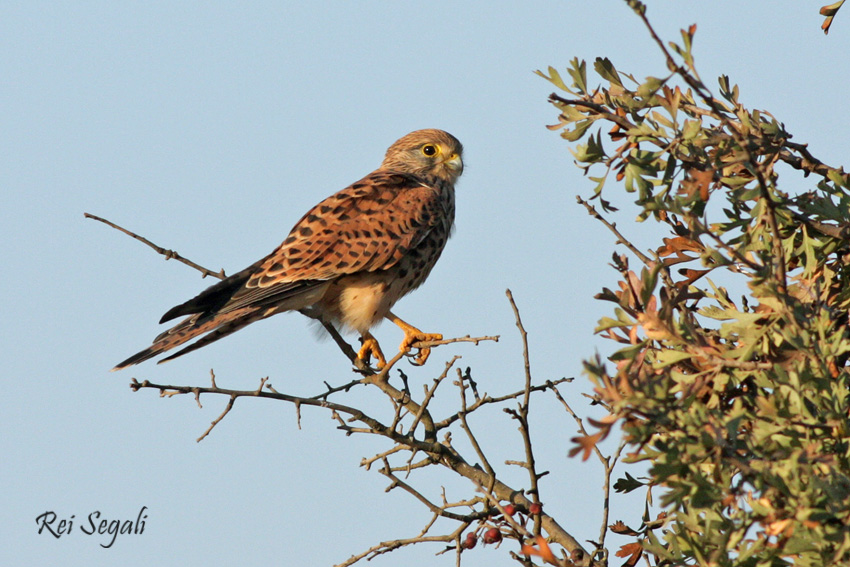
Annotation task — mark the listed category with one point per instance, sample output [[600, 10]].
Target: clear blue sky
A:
[[210, 128]]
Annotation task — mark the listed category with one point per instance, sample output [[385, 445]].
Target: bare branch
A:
[[591, 210], [465, 426], [169, 254], [522, 414], [367, 463], [218, 419], [387, 546], [334, 389], [487, 400], [441, 510], [429, 393]]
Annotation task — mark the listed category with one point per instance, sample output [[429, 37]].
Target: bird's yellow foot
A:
[[414, 335], [369, 349]]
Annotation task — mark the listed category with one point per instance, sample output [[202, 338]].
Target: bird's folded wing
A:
[[368, 226]]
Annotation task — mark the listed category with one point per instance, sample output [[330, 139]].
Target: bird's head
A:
[[426, 152]]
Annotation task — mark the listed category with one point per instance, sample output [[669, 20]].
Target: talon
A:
[[414, 335], [369, 349]]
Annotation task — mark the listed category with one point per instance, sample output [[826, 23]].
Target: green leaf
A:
[[606, 70], [838, 177], [606, 323], [626, 485], [554, 77], [591, 152], [578, 71], [650, 87], [667, 357], [628, 353], [691, 129], [577, 132], [730, 94]]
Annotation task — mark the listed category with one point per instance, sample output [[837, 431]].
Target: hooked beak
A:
[[454, 163]]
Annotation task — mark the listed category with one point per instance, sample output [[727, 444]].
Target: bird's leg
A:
[[414, 335], [371, 348]]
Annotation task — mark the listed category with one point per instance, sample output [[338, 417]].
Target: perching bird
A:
[[347, 261]]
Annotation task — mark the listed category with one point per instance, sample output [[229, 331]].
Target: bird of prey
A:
[[346, 262]]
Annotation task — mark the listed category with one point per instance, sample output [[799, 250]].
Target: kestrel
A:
[[347, 261]]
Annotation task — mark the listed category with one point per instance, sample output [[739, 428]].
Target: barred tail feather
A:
[[192, 327]]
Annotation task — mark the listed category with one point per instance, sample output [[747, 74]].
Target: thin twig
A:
[[591, 210], [218, 419], [367, 463], [398, 483], [169, 254], [335, 389], [494, 502], [387, 546], [465, 426], [487, 400], [429, 393], [522, 413]]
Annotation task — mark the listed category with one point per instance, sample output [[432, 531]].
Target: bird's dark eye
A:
[[430, 150]]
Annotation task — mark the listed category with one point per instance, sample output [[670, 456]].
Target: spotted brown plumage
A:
[[347, 261]]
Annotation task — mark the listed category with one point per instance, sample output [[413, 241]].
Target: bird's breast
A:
[[360, 301]]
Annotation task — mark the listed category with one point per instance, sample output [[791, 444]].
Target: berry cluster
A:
[[495, 527]]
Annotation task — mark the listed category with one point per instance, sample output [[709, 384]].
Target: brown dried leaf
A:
[[542, 550], [633, 333], [621, 528], [679, 259], [698, 182], [690, 276], [612, 335], [562, 122], [585, 443], [653, 326], [763, 308], [829, 11], [778, 527], [631, 550], [679, 244], [634, 282]]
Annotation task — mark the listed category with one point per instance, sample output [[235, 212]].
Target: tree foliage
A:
[[730, 376]]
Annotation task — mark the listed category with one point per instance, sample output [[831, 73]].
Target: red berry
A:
[[509, 509], [469, 542], [493, 535], [535, 508]]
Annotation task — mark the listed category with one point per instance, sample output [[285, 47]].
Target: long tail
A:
[[216, 311], [218, 327]]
